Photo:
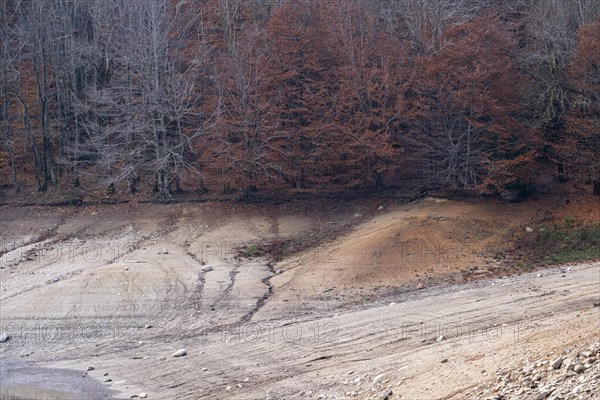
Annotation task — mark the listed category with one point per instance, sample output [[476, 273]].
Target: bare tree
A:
[[36, 32], [148, 108], [9, 55], [423, 22], [72, 52], [245, 150], [549, 44], [552, 39]]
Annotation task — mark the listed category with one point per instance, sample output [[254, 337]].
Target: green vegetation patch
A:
[[275, 250], [565, 242]]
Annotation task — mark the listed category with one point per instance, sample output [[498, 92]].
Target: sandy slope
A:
[[79, 286]]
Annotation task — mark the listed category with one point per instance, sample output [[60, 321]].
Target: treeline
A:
[[298, 95]]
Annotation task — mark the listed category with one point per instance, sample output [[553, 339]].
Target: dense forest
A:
[[249, 96]]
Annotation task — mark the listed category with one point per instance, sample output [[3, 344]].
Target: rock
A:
[[228, 388], [579, 369], [378, 379], [570, 365], [542, 395], [165, 251], [204, 369], [207, 268], [520, 391], [357, 215], [445, 360], [387, 394], [108, 380], [441, 338], [539, 275], [180, 353], [420, 286], [557, 363], [529, 383], [143, 395], [380, 208], [278, 272], [4, 337], [148, 326], [90, 368], [105, 374], [162, 358], [528, 229]]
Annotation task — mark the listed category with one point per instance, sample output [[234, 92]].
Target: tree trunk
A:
[[9, 143], [110, 190], [562, 177], [13, 167], [177, 181], [131, 184], [163, 183], [28, 132], [378, 182]]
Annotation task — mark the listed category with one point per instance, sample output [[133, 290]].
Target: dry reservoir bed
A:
[[98, 300]]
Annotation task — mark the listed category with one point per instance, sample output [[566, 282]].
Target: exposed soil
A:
[[305, 314]]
